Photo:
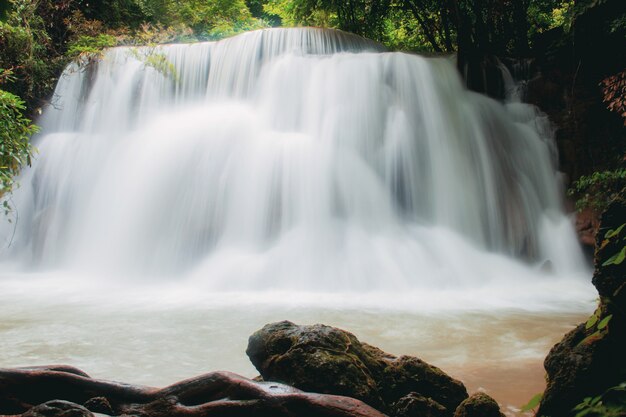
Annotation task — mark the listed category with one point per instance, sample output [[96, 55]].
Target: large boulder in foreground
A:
[[325, 359], [590, 359]]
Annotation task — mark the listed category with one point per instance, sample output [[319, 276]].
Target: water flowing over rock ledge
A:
[[363, 169]]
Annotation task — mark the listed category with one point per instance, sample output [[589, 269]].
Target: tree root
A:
[[213, 394]]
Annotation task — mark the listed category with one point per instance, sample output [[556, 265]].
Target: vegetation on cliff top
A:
[[15, 131], [39, 37]]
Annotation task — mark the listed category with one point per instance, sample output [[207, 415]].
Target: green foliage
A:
[[90, 46], [206, 14], [15, 148], [375, 19], [200, 15], [593, 319], [618, 235], [546, 14], [181, 20], [597, 190], [616, 259], [257, 9], [500, 26], [618, 24], [151, 57], [601, 326], [121, 13], [26, 50], [610, 404], [532, 404], [207, 19], [401, 32], [614, 232], [605, 322], [227, 28], [303, 13], [155, 10]]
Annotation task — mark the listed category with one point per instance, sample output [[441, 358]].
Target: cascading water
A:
[[300, 174], [288, 159]]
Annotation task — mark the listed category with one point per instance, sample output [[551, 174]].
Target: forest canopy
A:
[[39, 37]]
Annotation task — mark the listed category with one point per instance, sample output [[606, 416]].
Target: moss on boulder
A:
[[325, 359], [479, 405]]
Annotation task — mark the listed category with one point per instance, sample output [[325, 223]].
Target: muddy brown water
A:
[[158, 343]]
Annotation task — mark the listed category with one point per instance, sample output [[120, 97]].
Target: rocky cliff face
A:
[[563, 77], [590, 359], [568, 69]]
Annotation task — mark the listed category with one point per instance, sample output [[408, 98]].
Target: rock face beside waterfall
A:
[[590, 359], [325, 359]]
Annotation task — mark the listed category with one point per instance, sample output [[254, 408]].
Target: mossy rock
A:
[[415, 405], [479, 405], [590, 359], [328, 360]]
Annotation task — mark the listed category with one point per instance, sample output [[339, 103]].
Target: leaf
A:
[[584, 404], [613, 233], [616, 259], [534, 402], [605, 322], [592, 320], [591, 338]]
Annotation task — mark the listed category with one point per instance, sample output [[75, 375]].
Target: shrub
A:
[[90, 46], [597, 190], [15, 148]]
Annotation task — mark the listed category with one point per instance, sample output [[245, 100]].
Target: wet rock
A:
[[483, 74], [58, 408], [610, 278], [587, 224], [216, 394], [325, 359], [590, 359], [415, 405], [99, 405], [479, 405], [569, 364]]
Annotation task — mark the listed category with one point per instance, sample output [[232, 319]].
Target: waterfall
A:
[[301, 159]]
